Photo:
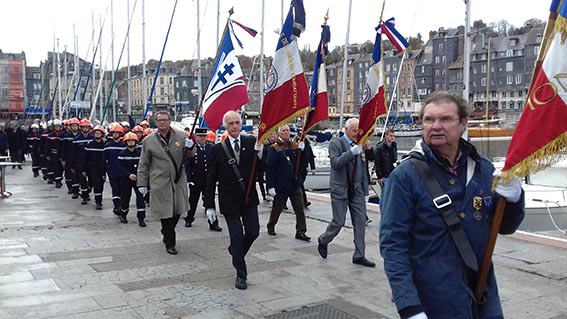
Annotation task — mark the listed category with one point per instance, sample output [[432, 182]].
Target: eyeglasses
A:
[[445, 120], [162, 120]]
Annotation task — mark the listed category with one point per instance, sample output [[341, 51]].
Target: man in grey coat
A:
[[162, 153], [349, 188]]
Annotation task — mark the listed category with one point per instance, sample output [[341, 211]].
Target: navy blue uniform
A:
[[196, 171], [129, 165], [111, 151], [78, 161], [67, 154], [34, 150], [95, 168], [54, 148]]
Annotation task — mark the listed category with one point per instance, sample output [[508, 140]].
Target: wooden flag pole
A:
[[501, 205]]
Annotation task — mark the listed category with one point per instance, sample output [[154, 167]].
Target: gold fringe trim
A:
[[561, 24], [285, 121], [546, 156]]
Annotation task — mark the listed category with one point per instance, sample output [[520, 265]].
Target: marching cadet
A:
[[34, 148], [129, 159], [67, 137], [94, 167], [196, 171], [145, 124], [54, 147], [111, 150], [126, 126], [79, 160], [46, 129], [139, 131]]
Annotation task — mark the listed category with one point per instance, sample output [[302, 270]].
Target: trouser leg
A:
[[35, 164], [125, 194], [298, 208], [115, 186], [98, 185], [168, 230], [242, 234], [277, 207], [84, 186], [357, 210], [339, 207], [194, 194], [68, 178], [140, 203]]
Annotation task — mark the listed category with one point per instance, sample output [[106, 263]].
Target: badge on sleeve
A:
[[488, 201], [477, 203]]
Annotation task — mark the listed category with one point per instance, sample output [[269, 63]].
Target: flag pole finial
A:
[[326, 17], [231, 11]]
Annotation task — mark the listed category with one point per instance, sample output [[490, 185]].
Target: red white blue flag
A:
[[388, 28], [287, 95], [373, 97], [318, 92], [226, 90]]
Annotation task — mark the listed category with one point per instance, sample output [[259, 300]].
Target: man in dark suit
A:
[[349, 188], [230, 165], [196, 170]]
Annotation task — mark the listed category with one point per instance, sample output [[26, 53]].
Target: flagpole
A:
[[345, 61], [501, 204]]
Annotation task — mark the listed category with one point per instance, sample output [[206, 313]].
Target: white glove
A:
[[511, 191], [143, 190], [356, 150], [302, 146], [272, 192], [211, 215], [420, 315], [189, 143], [366, 198], [260, 149]]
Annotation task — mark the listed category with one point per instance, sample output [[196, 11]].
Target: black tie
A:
[[236, 147]]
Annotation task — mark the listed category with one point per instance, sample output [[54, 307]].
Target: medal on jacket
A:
[[477, 216], [177, 144], [477, 203]]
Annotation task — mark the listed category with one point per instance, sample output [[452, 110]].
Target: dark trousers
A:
[[168, 230], [126, 186], [261, 183], [297, 203], [95, 177], [17, 155], [243, 230], [44, 163], [68, 176], [115, 186], [55, 170], [85, 186], [35, 163], [194, 193]]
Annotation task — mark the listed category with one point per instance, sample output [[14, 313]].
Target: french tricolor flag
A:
[[226, 90], [373, 96], [393, 35], [318, 92], [287, 95]]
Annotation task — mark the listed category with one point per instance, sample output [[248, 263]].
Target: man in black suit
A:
[[230, 165]]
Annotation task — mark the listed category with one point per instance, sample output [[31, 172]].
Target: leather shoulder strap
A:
[[232, 162], [166, 150]]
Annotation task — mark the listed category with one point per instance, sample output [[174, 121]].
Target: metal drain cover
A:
[[322, 311]]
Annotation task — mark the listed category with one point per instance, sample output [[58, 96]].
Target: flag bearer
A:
[[71, 178], [54, 147], [111, 150], [94, 166], [129, 158], [79, 159], [34, 148]]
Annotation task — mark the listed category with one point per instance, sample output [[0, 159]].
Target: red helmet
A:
[[130, 136], [100, 128], [85, 122], [116, 128], [137, 129], [65, 122], [211, 136], [144, 123], [73, 120], [148, 131]]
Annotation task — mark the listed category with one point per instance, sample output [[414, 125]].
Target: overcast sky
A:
[[30, 25]]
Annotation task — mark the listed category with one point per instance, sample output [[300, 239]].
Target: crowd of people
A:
[[436, 205]]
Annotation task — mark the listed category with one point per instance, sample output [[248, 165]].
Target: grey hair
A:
[[281, 127], [164, 113], [350, 122], [229, 113]]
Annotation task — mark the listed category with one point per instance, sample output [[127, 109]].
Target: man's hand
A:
[[143, 190], [302, 146], [356, 150], [272, 192], [380, 182], [132, 177], [260, 149], [84, 174], [189, 143], [211, 215]]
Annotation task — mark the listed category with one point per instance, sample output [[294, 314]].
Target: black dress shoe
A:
[[214, 226], [188, 224], [171, 250], [141, 222], [241, 283], [271, 231], [116, 211], [322, 249], [302, 236], [98, 206], [123, 219], [307, 204], [69, 191], [75, 196], [84, 201], [363, 261]]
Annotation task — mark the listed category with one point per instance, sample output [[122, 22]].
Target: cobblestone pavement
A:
[[60, 259]]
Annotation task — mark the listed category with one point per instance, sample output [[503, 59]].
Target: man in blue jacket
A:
[[429, 275]]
